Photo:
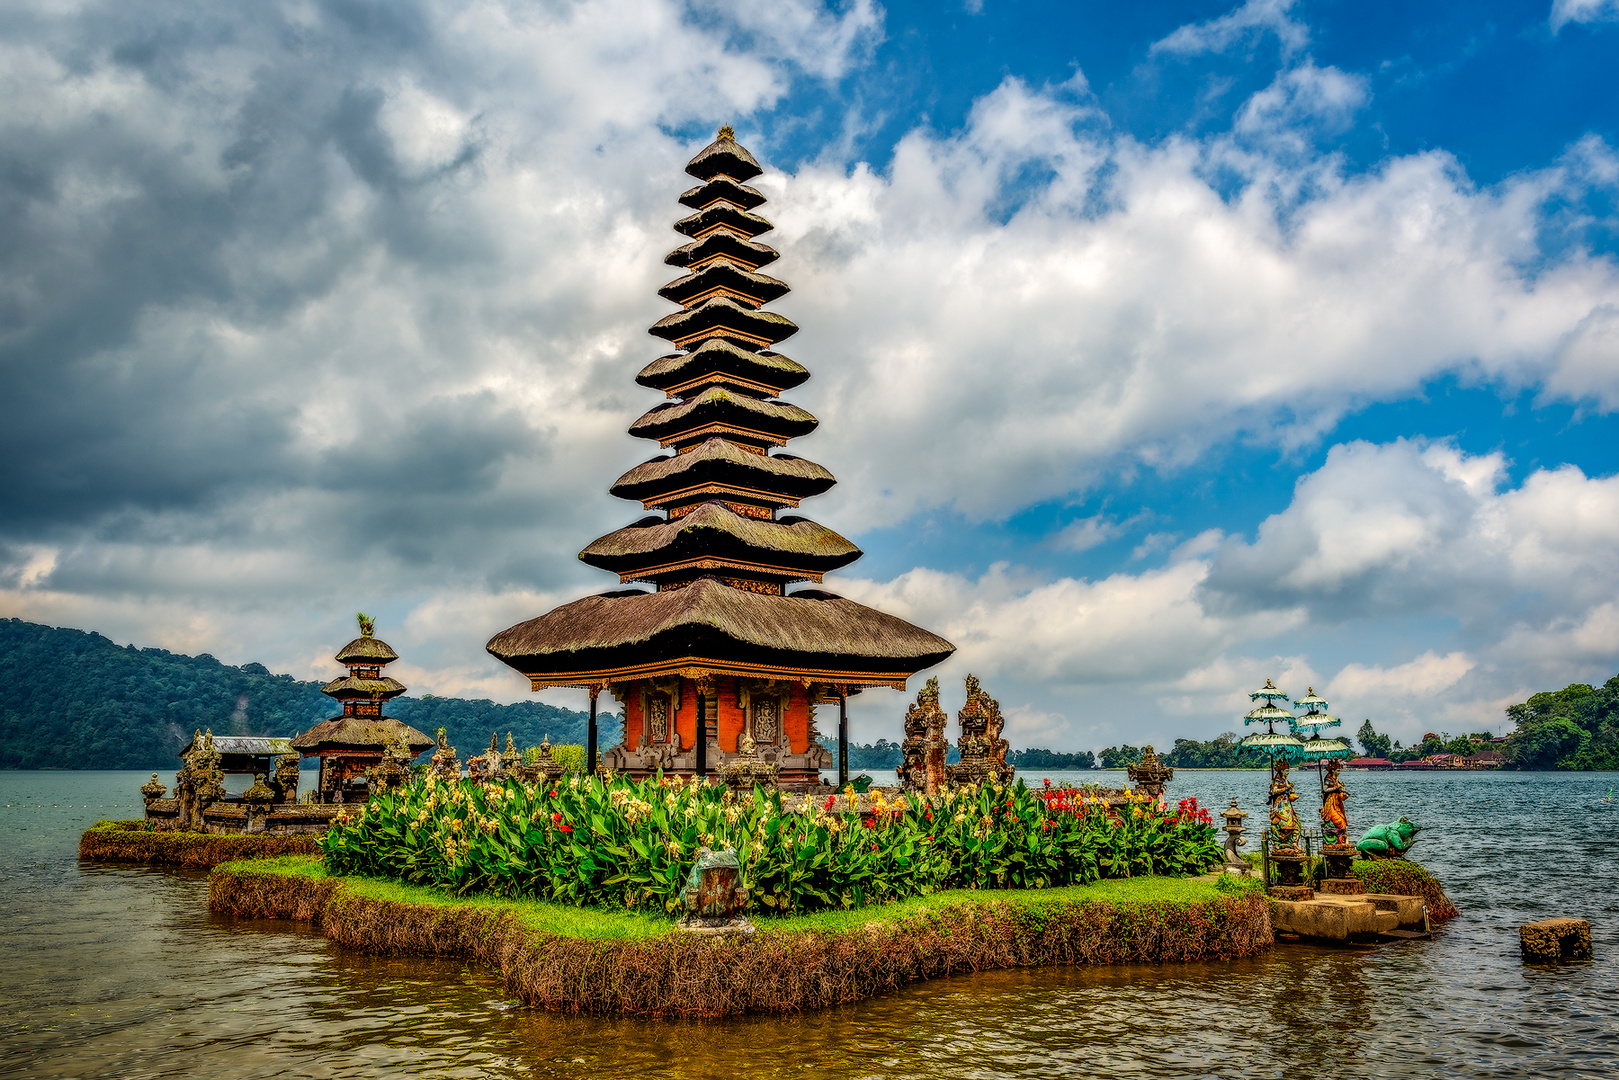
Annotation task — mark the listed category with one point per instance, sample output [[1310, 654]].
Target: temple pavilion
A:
[[708, 638], [355, 742]]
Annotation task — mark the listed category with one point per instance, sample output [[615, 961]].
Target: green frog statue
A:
[[1389, 841], [714, 896]]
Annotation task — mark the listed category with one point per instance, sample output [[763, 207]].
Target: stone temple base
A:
[[1343, 886], [1291, 892]]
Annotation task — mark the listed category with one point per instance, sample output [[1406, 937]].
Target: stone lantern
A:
[[1235, 837]]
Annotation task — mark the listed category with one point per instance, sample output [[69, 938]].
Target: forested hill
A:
[[75, 700]]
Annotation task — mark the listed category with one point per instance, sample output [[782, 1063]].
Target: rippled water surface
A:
[[124, 973]]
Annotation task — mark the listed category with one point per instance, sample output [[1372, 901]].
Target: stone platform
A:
[[1343, 918]]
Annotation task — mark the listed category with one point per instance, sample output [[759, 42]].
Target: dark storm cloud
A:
[[191, 187]]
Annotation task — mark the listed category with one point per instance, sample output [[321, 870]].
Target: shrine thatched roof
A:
[[722, 187], [725, 243], [711, 620], [352, 686], [724, 274], [366, 650], [361, 733]]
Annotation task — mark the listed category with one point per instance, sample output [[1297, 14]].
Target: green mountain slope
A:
[[75, 700]]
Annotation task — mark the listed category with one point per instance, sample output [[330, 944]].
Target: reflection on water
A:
[[123, 972]]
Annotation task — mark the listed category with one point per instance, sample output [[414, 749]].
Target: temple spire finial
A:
[[726, 132], [368, 624]]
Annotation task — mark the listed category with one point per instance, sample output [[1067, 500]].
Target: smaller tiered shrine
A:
[[361, 744]]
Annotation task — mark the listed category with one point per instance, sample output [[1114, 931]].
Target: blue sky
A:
[[1158, 349]]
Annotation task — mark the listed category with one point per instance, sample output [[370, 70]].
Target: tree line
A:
[[76, 700]]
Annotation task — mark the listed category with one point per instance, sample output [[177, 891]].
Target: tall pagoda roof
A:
[[767, 372], [720, 408], [718, 550], [722, 187], [723, 244], [360, 688], [717, 461], [794, 548]]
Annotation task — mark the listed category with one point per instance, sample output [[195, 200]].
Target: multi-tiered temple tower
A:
[[721, 638], [351, 745]]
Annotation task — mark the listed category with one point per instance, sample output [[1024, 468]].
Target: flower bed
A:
[[137, 842], [563, 957], [631, 843]]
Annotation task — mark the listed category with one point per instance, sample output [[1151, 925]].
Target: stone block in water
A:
[[1556, 939]]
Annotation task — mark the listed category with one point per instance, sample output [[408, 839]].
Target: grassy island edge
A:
[[592, 960]]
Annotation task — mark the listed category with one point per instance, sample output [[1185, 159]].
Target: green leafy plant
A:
[[615, 841]]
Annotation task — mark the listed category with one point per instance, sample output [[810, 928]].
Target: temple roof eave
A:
[[720, 461], [708, 622], [716, 405], [713, 530]]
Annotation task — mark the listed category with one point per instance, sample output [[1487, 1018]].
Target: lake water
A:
[[111, 972]]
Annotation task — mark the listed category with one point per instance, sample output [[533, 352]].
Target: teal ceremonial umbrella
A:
[[1271, 742]]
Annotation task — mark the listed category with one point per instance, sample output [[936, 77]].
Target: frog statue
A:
[[1389, 841], [714, 896]]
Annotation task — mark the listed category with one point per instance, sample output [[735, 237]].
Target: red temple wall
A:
[[686, 715], [633, 716], [795, 718], [732, 720]]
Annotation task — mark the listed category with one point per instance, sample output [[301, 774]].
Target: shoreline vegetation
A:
[[593, 960], [71, 699]]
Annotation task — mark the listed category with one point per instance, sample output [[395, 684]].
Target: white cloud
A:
[[1582, 11], [1239, 26]]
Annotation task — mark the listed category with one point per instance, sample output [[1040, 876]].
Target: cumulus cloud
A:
[[1582, 11], [313, 307]]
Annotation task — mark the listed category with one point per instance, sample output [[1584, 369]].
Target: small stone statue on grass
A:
[[714, 896]]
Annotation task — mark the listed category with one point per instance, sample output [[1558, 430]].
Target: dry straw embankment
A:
[[587, 960], [133, 842]]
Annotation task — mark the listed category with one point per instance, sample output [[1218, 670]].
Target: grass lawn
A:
[[614, 925]]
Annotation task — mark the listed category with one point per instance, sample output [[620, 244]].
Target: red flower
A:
[[556, 817], [831, 800], [553, 794], [564, 828]]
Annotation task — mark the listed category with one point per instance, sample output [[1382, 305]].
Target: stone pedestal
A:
[[1343, 886], [1289, 867], [1339, 859], [1555, 939]]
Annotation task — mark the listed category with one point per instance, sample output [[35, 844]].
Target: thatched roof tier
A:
[[359, 733], [792, 549], [366, 650], [722, 245], [719, 410], [723, 157], [722, 277], [723, 216], [717, 361], [710, 628], [724, 317], [718, 461], [722, 187], [353, 687], [245, 745]]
